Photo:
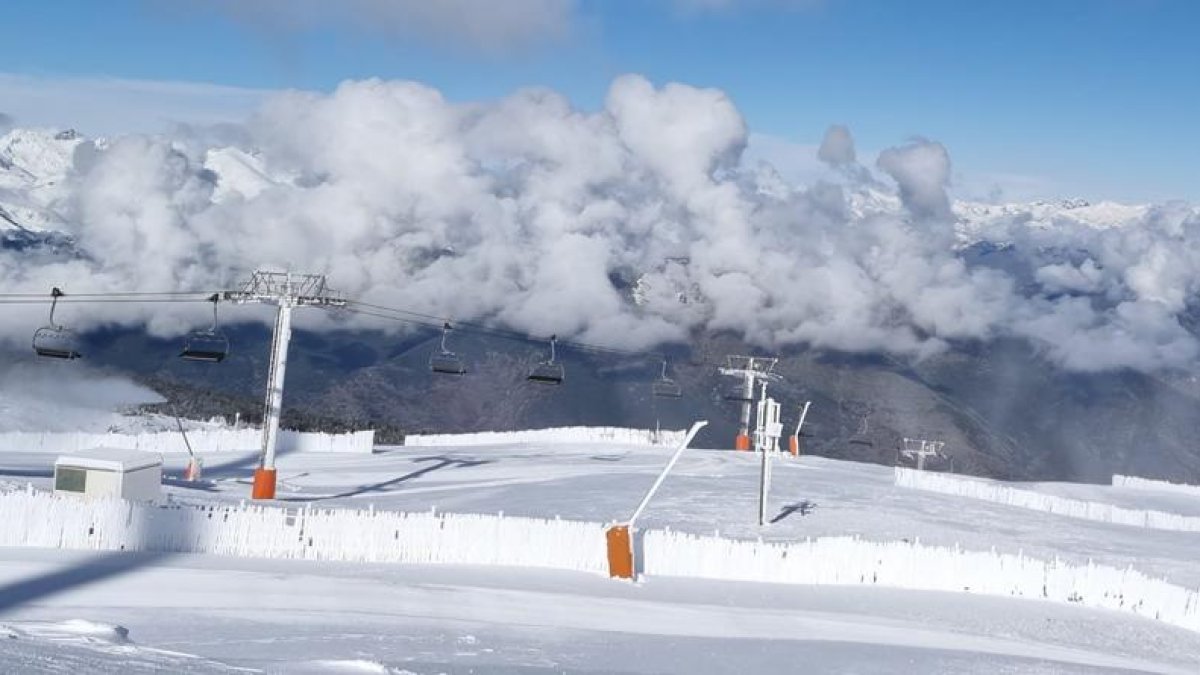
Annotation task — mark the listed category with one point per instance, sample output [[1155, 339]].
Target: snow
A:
[[33, 165], [1155, 485], [40, 519], [239, 174], [1048, 503], [109, 459], [207, 440], [559, 434], [854, 574]]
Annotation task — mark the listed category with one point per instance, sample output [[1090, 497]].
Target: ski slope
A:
[[207, 613]]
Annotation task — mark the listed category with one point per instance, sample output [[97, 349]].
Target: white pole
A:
[[667, 469], [274, 403], [764, 474], [803, 415]]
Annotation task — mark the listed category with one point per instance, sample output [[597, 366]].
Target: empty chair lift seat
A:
[[109, 472]]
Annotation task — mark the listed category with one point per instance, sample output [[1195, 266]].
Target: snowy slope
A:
[[33, 165], [214, 613]]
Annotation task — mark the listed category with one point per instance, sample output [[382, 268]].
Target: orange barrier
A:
[[620, 552], [192, 472], [264, 484], [742, 442]]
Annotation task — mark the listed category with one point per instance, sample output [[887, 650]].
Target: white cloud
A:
[[104, 106], [486, 25], [519, 212], [922, 170], [837, 147]]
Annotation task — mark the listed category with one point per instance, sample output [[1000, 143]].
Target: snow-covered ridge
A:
[[33, 165], [33, 162], [202, 441], [44, 520], [558, 434], [1037, 501]]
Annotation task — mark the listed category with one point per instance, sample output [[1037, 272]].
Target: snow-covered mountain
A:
[[35, 163]]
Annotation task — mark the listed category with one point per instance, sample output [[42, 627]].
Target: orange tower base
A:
[[264, 484], [620, 552], [742, 442], [794, 446]]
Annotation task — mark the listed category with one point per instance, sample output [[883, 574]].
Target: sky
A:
[[1092, 98]]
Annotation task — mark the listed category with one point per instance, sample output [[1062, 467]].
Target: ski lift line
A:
[[500, 331], [204, 295], [385, 312], [431, 321], [75, 301]]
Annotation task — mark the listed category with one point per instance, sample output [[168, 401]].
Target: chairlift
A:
[[548, 372], [666, 387], [446, 361], [54, 341], [209, 345]]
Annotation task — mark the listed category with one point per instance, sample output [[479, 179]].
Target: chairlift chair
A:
[[208, 346], [548, 372], [446, 361], [666, 387], [54, 341]]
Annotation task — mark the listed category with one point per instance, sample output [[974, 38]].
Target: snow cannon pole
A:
[[794, 441], [620, 535]]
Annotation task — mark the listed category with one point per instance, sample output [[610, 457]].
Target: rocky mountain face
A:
[[1000, 408], [1000, 411]]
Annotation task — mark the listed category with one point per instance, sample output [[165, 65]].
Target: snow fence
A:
[[852, 561], [1137, 483], [554, 435], [1037, 501], [31, 518], [203, 441]]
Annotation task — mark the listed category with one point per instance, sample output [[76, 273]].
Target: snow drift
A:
[[1028, 499], [202, 440], [618, 435], [1134, 482]]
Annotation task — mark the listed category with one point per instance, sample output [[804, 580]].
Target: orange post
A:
[[742, 442], [264, 484], [794, 445], [620, 552]]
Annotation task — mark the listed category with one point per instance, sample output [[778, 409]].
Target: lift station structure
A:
[[286, 291], [751, 369]]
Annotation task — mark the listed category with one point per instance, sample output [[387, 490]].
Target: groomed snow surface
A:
[[490, 558]]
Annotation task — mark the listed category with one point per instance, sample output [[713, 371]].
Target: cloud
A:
[[921, 169], [837, 147], [6, 122], [485, 25], [521, 212], [104, 106]]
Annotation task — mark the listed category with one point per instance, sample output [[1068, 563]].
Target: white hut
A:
[[109, 472]]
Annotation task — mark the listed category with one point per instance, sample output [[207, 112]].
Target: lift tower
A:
[[286, 291], [750, 369]]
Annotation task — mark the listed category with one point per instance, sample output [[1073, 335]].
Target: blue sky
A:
[[1099, 98]]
